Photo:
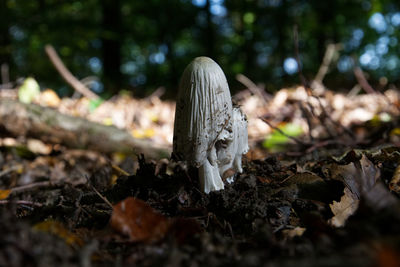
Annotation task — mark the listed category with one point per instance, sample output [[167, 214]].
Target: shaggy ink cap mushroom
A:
[[203, 128]]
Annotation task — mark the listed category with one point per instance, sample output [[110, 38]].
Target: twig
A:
[[87, 81], [5, 74], [366, 86], [328, 117], [307, 115], [323, 69], [284, 134], [101, 196], [256, 90], [67, 75], [322, 144], [27, 187], [310, 93], [297, 53], [20, 202], [98, 193], [157, 93], [363, 81], [11, 169]]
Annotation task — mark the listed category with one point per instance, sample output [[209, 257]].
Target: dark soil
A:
[[262, 219]]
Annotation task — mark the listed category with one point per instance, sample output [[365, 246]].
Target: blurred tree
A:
[[5, 40], [111, 38], [141, 45]]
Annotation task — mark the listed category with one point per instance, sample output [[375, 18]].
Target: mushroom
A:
[[230, 156], [204, 125]]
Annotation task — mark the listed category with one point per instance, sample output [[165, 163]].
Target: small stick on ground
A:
[[363, 81], [98, 193], [281, 132], [326, 61], [307, 116], [67, 75], [253, 88], [32, 186], [21, 202]]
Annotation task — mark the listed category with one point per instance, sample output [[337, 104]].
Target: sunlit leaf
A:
[[49, 98], [108, 121], [147, 133], [28, 91], [276, 139], [95, 103]]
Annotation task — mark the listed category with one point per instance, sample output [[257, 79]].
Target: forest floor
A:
[[320, 187]]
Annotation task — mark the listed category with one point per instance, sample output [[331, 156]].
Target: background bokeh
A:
[[143, 45]]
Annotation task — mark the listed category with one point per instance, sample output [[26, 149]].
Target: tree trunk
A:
[[5, 40], [111, 44]]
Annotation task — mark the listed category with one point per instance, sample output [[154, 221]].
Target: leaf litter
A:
[[308, 205]]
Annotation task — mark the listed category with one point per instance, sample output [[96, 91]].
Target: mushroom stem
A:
[[210, 180]]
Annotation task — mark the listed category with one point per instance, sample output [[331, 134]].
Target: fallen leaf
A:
[[37, 146], [138, 220], [29, 90], [49, 98], [297, 231], [343, 209], [4, 193], [387, 257], [394, 184], [361, 178]]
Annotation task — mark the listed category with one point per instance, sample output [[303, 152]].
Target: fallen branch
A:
[[21, 202], [50, 126], [253, 88], [328, 57], [363, 81], [298, 141], [32, 186], [67, 75]]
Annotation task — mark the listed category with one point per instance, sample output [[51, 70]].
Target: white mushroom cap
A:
[[208, 134], [203, 112]]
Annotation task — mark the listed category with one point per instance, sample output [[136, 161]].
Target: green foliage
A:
[[141, 45], [95, 103], [276, 140], [28, 91]]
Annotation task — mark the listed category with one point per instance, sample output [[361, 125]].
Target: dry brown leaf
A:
[[394, 184], [138, 220], [343, 209], [362, 180], [291, 233]]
